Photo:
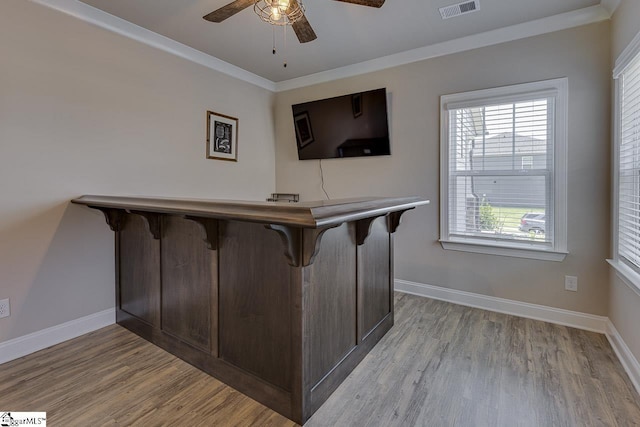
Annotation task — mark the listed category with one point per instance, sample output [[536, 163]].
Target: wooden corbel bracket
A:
[[153, 222], [115, 217], [363, 229], [209, 227], [311, 239], [301, 245], [393, 220], [291, 238]]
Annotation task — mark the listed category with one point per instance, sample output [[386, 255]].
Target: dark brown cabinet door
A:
[[139, 271], [330, 302], [189, 284], [374, 278], [255, 307]]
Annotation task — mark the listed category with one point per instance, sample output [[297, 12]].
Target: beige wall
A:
[[624, 303], [581, 54], [83, 110]]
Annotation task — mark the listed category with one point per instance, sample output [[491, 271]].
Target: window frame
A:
[[628, 274], [557, 250]]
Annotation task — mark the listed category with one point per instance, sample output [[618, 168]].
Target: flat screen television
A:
[[351, 125]]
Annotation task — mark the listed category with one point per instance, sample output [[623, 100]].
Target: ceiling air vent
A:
[[459, 9]]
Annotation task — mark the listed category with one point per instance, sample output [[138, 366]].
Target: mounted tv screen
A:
[[352, 125]]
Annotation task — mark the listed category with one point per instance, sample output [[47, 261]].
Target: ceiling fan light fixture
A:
[[279, 12]]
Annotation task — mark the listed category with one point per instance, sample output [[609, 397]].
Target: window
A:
[[503, 170], [626, 227]]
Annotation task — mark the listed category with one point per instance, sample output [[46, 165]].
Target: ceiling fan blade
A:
[[372, 3], [303, 30], [228, 10], [301, 27]]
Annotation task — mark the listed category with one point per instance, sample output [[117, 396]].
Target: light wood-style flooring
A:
[[440, 365]]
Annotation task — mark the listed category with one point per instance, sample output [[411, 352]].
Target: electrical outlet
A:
[[571, 283], [5, 310]]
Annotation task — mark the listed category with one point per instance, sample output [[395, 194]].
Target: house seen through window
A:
[[501, 177], [492, 190]]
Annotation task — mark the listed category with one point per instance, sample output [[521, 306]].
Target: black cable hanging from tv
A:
[[322, 181]]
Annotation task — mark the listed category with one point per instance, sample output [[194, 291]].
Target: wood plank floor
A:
[[440, 365]]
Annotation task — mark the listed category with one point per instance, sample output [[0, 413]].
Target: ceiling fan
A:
[[280, 12]]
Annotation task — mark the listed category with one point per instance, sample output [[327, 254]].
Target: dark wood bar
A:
[[280, 301]]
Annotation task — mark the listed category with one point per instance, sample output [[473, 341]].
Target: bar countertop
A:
[[313, 214]]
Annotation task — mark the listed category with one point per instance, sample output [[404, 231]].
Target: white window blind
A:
[[629, 165], [499, 167]]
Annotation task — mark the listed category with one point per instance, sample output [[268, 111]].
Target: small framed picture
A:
[[304, 134], [222, 137]]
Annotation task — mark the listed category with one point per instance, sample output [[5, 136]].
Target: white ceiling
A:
[[347, 34]]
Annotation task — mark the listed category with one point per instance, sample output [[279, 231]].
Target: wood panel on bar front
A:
[[280, 302]]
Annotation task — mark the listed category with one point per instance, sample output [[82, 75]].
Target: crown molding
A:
[[610, 6], [537, 27], [550, 24], [117, 25]]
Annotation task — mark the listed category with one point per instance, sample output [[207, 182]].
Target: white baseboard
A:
[[627, 359], [558, 316], [27, 344]]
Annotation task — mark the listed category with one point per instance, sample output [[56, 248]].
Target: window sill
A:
[[626, 274], [504, 250]]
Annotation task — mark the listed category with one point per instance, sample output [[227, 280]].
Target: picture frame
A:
[[222, 137], [304, 133], [356, 105]]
